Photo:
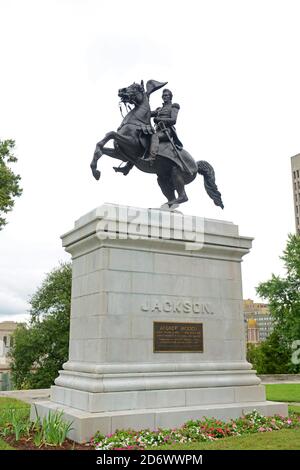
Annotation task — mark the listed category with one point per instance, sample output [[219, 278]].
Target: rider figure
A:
[[165, 119]]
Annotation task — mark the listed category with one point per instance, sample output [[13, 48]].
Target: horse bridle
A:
[[130, 98]]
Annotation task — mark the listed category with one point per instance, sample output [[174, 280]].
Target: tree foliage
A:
[[41, 347], [272, 356], [283, 295], [9, 182]]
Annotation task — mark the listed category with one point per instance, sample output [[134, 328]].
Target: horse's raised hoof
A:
[[96, 173]]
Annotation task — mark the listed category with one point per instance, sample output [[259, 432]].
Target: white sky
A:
[[233, 67]]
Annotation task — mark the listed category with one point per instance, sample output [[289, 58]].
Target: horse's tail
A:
[[205, 169]]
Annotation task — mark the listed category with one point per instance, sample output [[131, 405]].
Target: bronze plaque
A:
[[177, 337]]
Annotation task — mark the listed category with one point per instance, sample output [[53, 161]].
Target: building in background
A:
[[6, 330], [295, 161], [252, 333], [258, 321]]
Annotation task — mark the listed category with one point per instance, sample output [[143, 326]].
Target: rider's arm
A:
[[154, 113]]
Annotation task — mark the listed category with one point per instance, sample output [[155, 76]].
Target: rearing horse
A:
[[174, 168]]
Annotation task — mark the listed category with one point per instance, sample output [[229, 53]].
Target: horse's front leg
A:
[[99, 149], [99, 152]]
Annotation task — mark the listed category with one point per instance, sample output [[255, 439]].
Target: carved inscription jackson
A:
[[177, 306]]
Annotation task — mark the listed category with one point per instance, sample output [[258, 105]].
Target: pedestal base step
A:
[[85, 424]]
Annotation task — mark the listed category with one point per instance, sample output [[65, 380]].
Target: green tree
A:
[[9, 182], [271, 356], [283, 296], [41, 347]]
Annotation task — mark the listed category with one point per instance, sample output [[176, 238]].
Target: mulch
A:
[[26, 443]]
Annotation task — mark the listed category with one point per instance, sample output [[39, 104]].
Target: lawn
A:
[[294, 409], [10, 403], [4, 446], [283, 392]]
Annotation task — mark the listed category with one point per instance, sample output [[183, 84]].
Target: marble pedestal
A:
[[133, 267]]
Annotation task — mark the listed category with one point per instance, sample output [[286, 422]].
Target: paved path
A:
[[266, 381], [280, 378], [28, 395]]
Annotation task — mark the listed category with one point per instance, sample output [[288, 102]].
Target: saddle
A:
[[166, 150], [145, 133]]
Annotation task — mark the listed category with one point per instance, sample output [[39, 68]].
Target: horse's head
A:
[[133, 94]]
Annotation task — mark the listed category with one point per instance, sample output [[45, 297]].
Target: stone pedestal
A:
[[131, 268]]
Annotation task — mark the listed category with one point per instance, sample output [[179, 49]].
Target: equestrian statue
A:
[[155, 149]]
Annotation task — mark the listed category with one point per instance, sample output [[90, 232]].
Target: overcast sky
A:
[[233, 67]]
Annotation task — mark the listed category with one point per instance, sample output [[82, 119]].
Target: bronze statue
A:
[[156, 150]]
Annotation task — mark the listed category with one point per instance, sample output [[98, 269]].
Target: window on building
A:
[[298, 173], [5, 341]]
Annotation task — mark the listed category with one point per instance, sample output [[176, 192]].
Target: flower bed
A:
[[208, 429], [50, 433]]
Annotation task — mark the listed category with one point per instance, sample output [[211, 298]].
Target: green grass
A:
[[283, 392], [285, 439], [4, 446], [295, 409], [12, 403]]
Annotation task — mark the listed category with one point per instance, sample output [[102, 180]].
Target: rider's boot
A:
[[125, 169]]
